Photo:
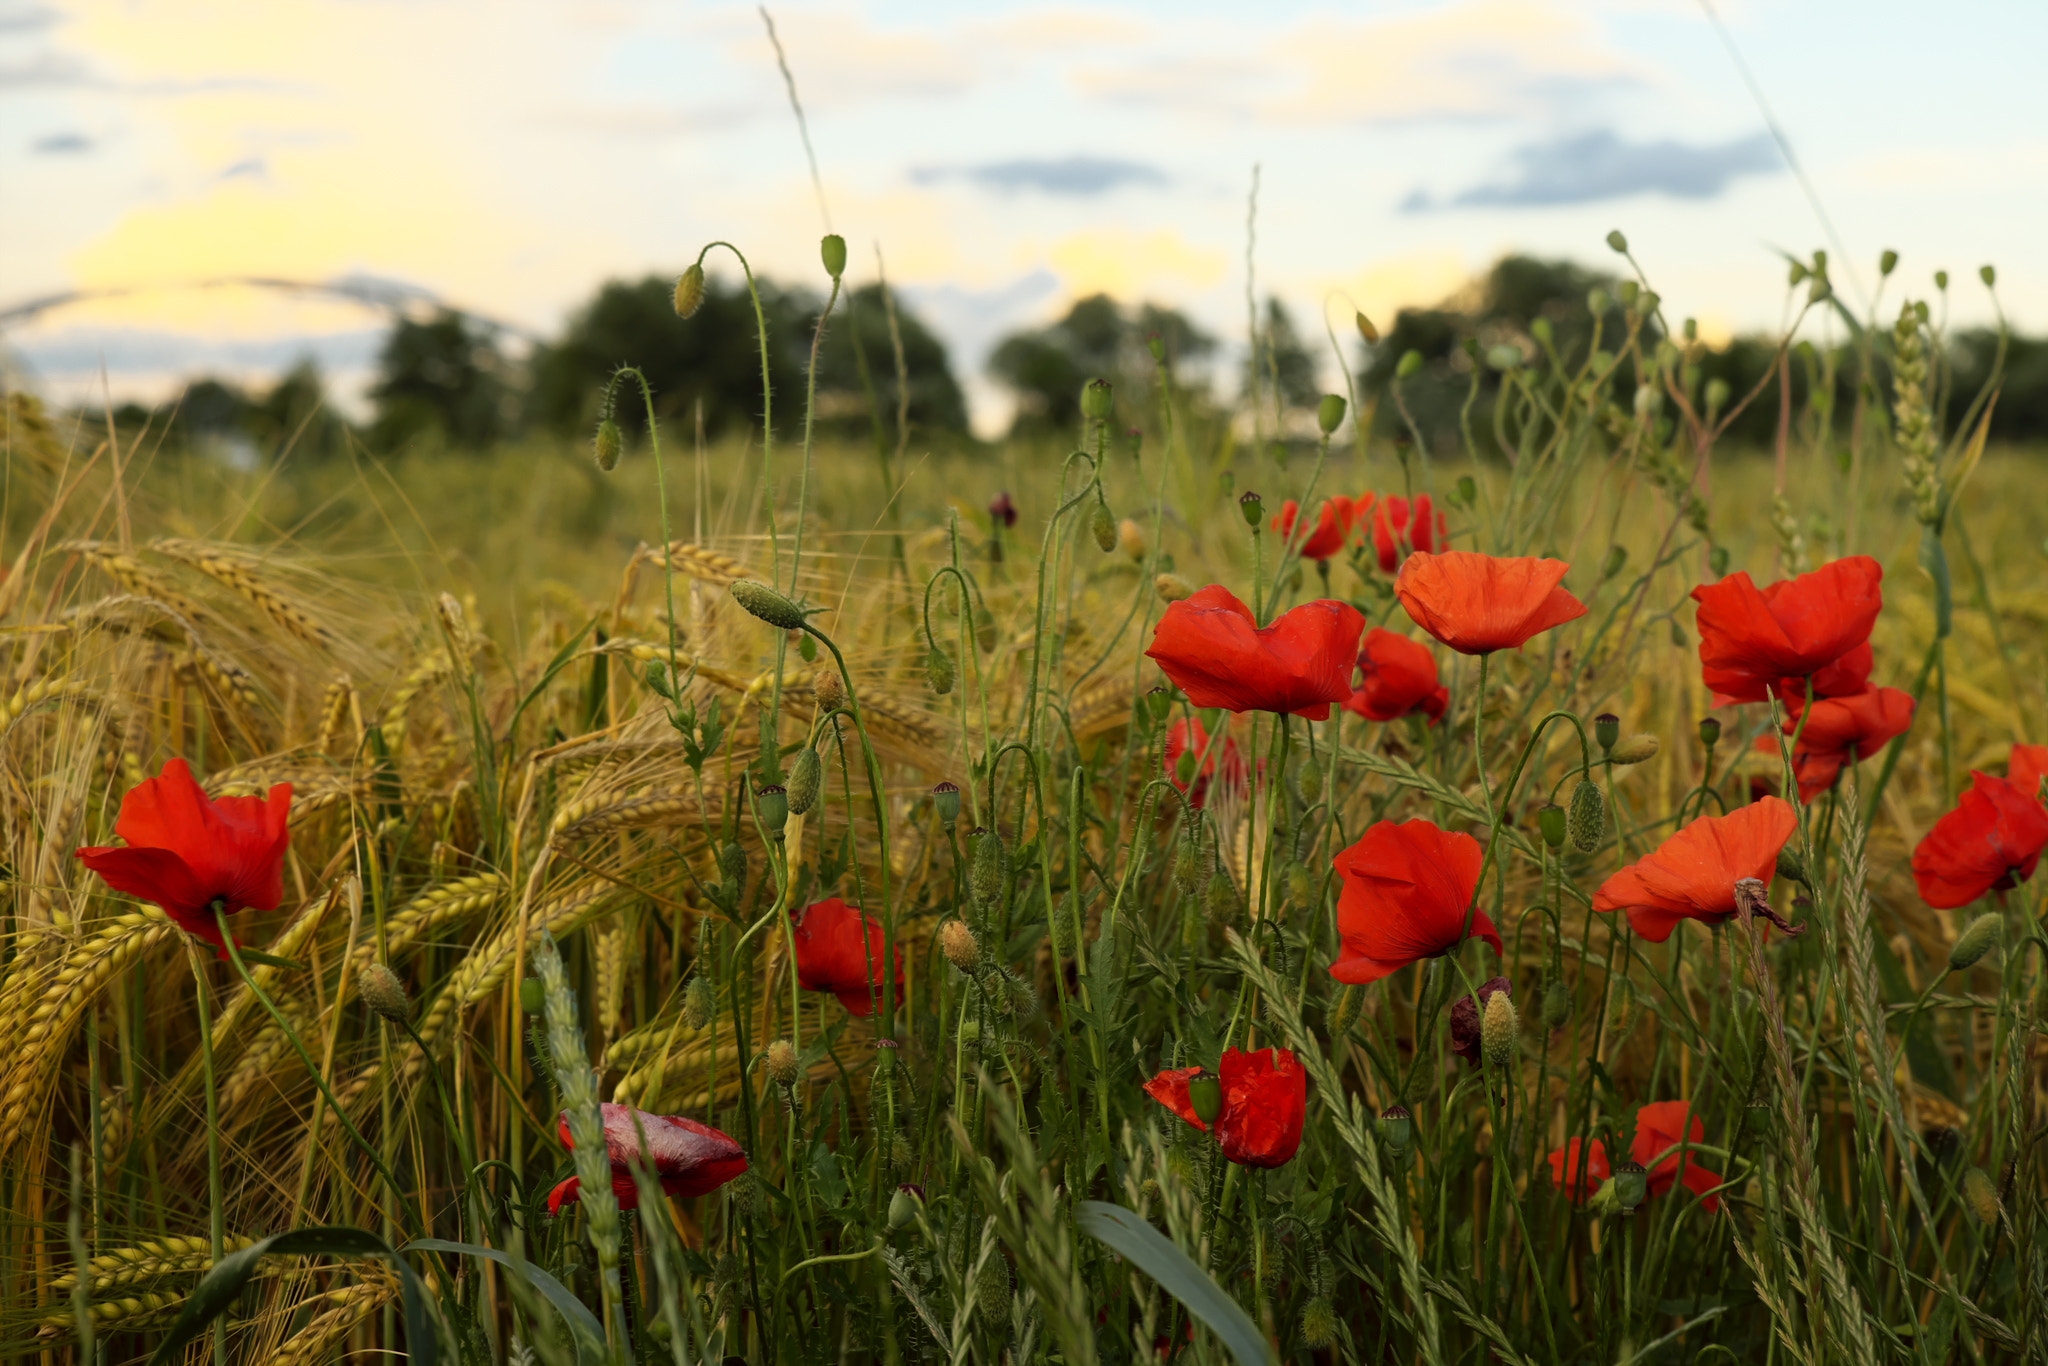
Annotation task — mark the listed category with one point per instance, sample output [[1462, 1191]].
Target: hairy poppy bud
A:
[[1397, 1127], [1631, 1185], [1410, 365], [990, 866], [1205, 1096], [1980, 1195], [690, 290], [1303, 887], [960, 946], [1308, 781], [782, 1063], [1098, 399], [606, 447], [1498, 1028], [700, 1002], [767, 604], [1636, 749], [1887, 261], [1187, 865], [828, 691], [1344, 1010], [533, 996], [1557, 1004], [1977, 939], [1586, 818], [992, 1289], [1130, 538], [774, 805], [384, 993], [985, 630], [938, 671], [1103, 525], [1940, 280], [732, 862], [1710, 731], [1717, 561], [1366, 329], [1221, 901], [1330, 413], [1790, 865], [806, 781], [1252, 508], [904, 1206], [1606, 729], [1616, 242], [832, 251], [1550, 819], [946, 798], [1172, 587]]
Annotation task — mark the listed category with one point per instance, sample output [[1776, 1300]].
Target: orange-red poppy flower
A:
[[1660, 1128], [1754, 642], [1692, 875], [1579, 1167], [1407, 890], [1477, 604], [1210, 646], [1265, 1103], [1185, 737], [1398, 678], [689, 1158], [1992, 841], [193, 854], [2028, 767], [840, 950], [1838, 732], [1395, 535], [1333, 527]]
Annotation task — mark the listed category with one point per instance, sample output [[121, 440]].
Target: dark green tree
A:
[[1284, 361], [294, 419], [1046, 367], [859, 337], [444, 376]]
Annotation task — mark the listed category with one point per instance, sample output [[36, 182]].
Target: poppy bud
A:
[[985, 630], [1156, 344], [1184, 768], [1756, 1118], [1187, 866], [1628, 291], [1221, 901], [783, 1067], [1586, 818], [1617, 243], [960, 946], [1497, 1030], [732, 862], [1631, 1185], [828, 690], [806, 781], [946, 798], [1410, 364], [1977, 939], [1205, 1096], [1318, 1319], [607, 446], [1308, 781], [1980, 1195], [1158, 701], [533, 996], [1104, 526], [1344, 1009], [1366, 329], [1172, 587], [985, 878], [1303, 888], [660, 1329], [938, 671], [1130, 538], [1504, 357], [832, 251], [384, 993], [1710, 731], [1606, 729], [1468, 489], [1597, 303], [1330, 413], [1018, 999], [740, 1191], [1557, 1004], [1717, 560], [700, 1002], [904, 1206], [1617, 556], [767, 604], [1718, 394], [1097, 400], [1252, 508], [992, 1289], [1636, 749], [774, 804], [690, 290], [1550, 819], [1397, 1127], [1887, 262], [1791, 866]]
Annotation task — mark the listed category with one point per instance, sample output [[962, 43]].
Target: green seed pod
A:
[[1103, 525], [1397, 1127], [700, 1002], [1977, 939], [985, 630], [1252, 508], [1710, 731], [690, 290], [1156, 346], [832, 251], [946, 798], [1330, 413], [1499, 1029], [1606, 729], [1980, 1195], [1344, 1010], [938, 671], [1617, 243], [1586, 817], [384, 993], [774, 806], [806, 781], [904, 1206], [1410, 365], [1318, 1324], [660, 1329], [1756, 1118], [1550, 819], [1557, 1004], [989, 869], [1098, 400], [1631, 1185], [533, 996], [1635, 749], [1205, 1096], [606, 447], [1221, 899], [767, 604]]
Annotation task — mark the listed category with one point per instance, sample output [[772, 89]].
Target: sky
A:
[[1001, 160]]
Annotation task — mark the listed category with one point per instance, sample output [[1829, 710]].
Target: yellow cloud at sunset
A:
[[1128, 264]]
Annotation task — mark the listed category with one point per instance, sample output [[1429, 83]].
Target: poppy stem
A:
[[216, 1211]]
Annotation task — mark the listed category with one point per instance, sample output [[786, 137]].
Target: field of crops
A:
[[1043, 904]]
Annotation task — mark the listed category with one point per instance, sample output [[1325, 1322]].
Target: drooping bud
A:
[[1252, 508], [1344, 1010], [806, 781], [1187, 865], [1366, 329], [1710, 731], [828, 691], [1617, 243], [1104, 526], [1717, 560], [1606, 729], [732, 863], [1550, 819], [607, 445], [384, 993], [1330, 413], [1586, 817], [1205, 1096], [767, 604], [1498, 1029], [992, 1289], [1636, 749], [990, 865], [832, 251], [1557, 1004], [1156, 345], [783, 1067], [1790, 865], [1221, 899], [690, 290], [1318, 1319], [1303, 887], [1409, 366], [700, 1002], [904, 1206], [1980, 1195], [1631, 1185], [1130, 538], [1098, 400], [938, 671], [946, 799], [1887, 262], [1397, 1127], [960, 946], [1172, 588], [985, 630], [1941, 279], [774, 807], [1977, 939]]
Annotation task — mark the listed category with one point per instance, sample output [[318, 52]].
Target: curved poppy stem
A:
[[216, 1213]]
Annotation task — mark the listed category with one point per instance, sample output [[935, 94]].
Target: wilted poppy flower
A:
[[1395, 536], [1992, 841], [1001, 510], [1692, 875], [1398, 677], [1265, 1102], [1477, 604], [1333, 527], [1407, 889], [840, 950], [193, 854], [1187, 736], [688, 1158], [1754, 642], [2028, 767], [1838, 732], [1465, 1015], [1209, 645], [1660, 1128]]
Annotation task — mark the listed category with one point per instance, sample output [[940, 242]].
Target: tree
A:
[[294, 417], [1047, 366], [858, 338], [444, 376], [1282, 363]]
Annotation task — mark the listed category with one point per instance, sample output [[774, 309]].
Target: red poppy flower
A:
[[1992, 841], [689, 1158], [2028, 767], [1333, 527], [1394, 537], [1845, 677], [1465, 1015], [1210, 646], [1753, 641], [1839, 731], [1187, 736], [1265, 1103], [1660, 1128], [1477, 604], [1407, 889], [834, 954], [1001, 511], [1579, 1168], [190, 853], [1692, 875], [1397, 678]]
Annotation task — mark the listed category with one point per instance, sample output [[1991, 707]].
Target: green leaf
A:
[[583, 1325], [1177, 1275], [270, 960]]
